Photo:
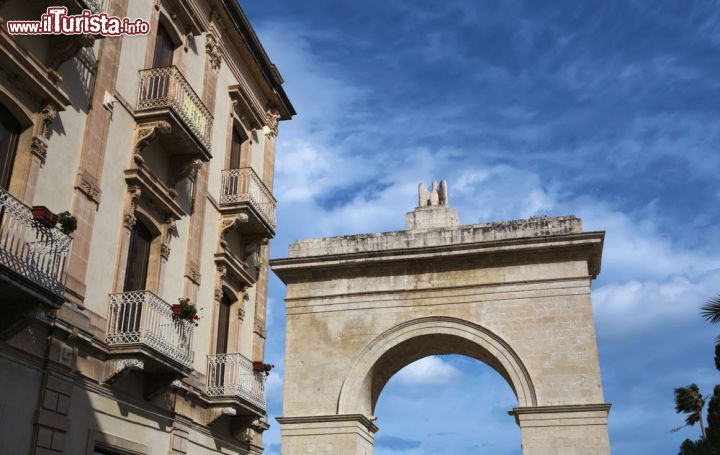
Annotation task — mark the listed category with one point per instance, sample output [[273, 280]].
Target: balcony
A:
[[165, 94], [32, 263], [231, 377], [243, 191], [143, 334]]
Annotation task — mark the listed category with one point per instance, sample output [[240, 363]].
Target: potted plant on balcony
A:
[[43, 216], [68, 223], [262, 367], [184, 310]]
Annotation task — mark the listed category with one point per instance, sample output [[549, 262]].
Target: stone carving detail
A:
[[115, 368], [129, 219], [213, 49], [438, 194], [216, 413], [39, 142], [218, 294], [272, 117], [192, 271], [148, 132], [165, 251], [186, 169], [39, 147], [85, 183], [228, 224]]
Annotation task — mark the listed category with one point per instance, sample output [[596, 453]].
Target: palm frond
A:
[[688, 400], [711, 310]]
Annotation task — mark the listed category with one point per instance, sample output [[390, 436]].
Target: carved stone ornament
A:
[[272, 117], [213, 49], [438, 194], [165, 251], [87, 185], [216, 413], [129, 219], [115, 368], [218, 294], [47, 115], [148, 132], [39, 147], [192, 271], [241, 313], [228, 224]]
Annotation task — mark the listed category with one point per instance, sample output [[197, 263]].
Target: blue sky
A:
[[607, 110]]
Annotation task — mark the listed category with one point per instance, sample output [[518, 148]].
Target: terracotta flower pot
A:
[[44, 216], [177, 310], [258, 366]]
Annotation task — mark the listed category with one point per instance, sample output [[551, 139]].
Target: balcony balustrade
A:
[[166, 90], [243, 187], [142, 319], [232, 376], [29, 249]]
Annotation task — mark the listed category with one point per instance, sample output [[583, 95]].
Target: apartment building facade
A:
[[161, 147]]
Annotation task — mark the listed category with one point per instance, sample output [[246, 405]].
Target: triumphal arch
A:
[[514, 294]]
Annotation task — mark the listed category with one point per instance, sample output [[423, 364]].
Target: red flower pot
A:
[[44, 216], [177, 310], [258, 366]]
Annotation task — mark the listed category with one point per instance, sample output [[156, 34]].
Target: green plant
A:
[[187, 310], [68, 223]]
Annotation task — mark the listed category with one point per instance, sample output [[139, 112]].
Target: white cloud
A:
[[428, 371]]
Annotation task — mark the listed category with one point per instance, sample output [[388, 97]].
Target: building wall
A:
[[58, 365]]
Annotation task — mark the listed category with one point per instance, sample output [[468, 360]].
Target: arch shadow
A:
[[412, 340]]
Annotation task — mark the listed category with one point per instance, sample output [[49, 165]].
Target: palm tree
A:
[[711, 312], [688, 400]]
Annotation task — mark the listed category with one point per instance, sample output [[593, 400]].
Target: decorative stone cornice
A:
[[561, 409], [359, 418]]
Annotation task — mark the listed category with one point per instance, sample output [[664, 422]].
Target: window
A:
[[138, 258], [236, 149], [9, 132], [223, 325], [164, 48]]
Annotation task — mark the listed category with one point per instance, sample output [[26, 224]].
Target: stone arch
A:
[[412, 340]]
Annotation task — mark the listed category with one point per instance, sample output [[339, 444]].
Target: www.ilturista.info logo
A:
[[57, 22]]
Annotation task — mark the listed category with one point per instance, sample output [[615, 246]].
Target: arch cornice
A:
[[350, 401]]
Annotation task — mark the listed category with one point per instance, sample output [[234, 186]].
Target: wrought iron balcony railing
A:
[[142, 318], [232, 375], [244, 185], [166, 87], [34, 251]]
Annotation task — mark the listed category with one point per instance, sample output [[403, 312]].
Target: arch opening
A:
[[447, 404], [411, 341]]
